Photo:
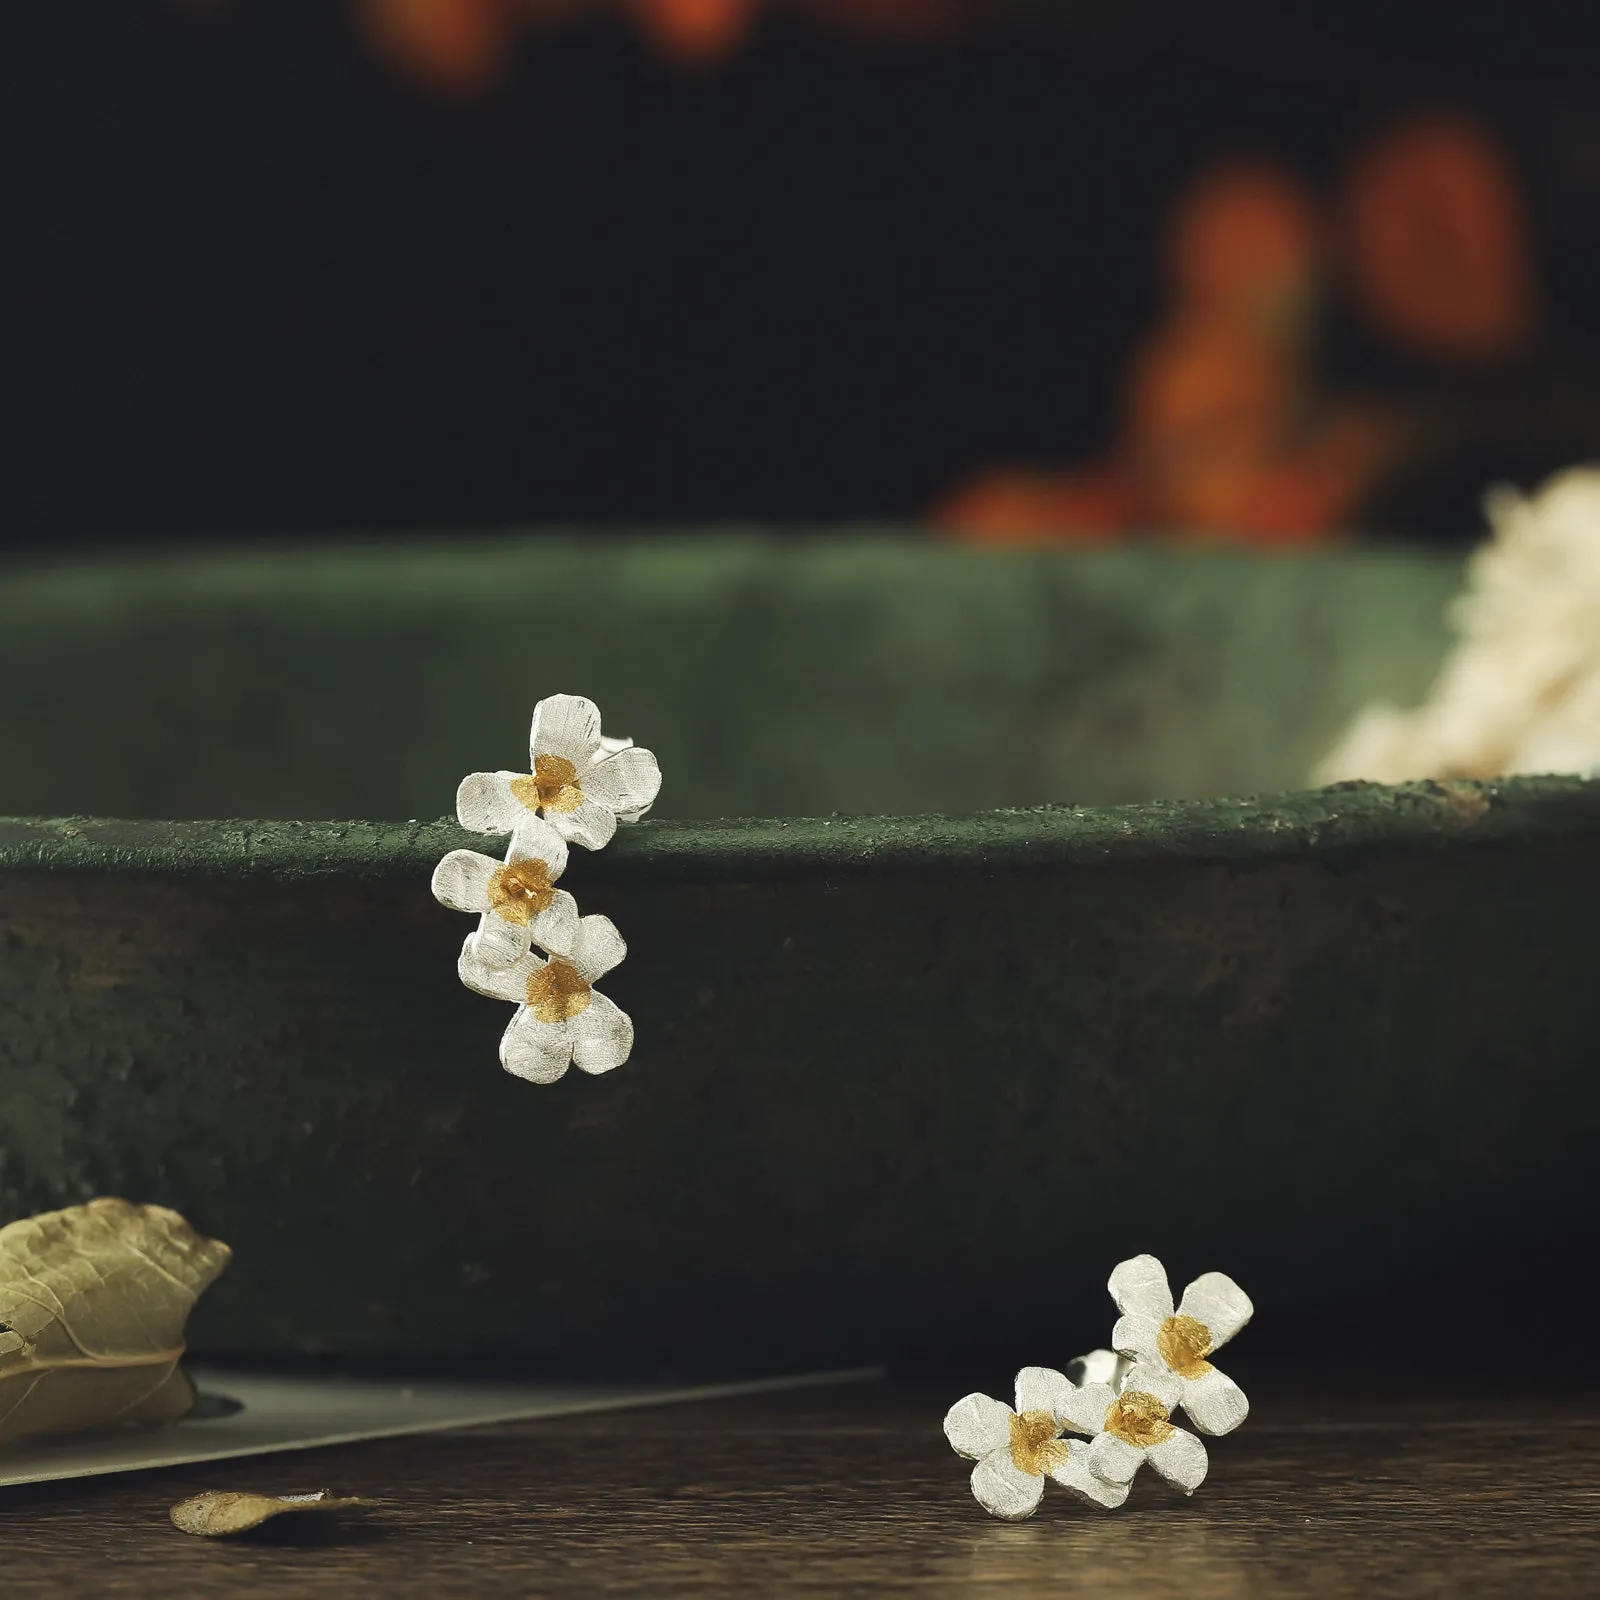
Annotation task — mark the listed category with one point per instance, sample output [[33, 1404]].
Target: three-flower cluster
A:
[[531, 945], [1123, 1408]]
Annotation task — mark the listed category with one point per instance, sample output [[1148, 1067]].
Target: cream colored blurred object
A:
[[1520, 692]]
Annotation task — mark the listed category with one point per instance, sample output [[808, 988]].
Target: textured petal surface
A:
[[592, 825], [597, 947], [1181, 1460], [602, 1036], [1078, 1477], [627, 782], [1139, 1287], [565, 725], [499, 943], [539, 1051], [1136, 1336], [1042, 1389], [1216, 1300], [534, 839], [485, 803], [1215, 1403], [1113, 1459], [1004, 1489], [461, 880], [555, 929], [1152, 1379], [976, 1425], [1085, 1409], [498, 983]]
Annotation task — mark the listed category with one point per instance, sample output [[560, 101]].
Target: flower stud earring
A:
[[517, 901], [1214, 1308], [532, 946], [580, 783], [1016, 1450], [1123, 1401], [561, 1017], [1134, 1426]]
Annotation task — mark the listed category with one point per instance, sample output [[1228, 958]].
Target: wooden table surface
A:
[[853, 1491]]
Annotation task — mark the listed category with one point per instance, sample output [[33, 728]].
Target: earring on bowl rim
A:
[[532, 945]]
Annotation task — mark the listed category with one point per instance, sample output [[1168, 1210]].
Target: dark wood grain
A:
[[854, 1492]]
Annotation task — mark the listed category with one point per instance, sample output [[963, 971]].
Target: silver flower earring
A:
[[532, 946], [1122, 1401], [1016, 1450]]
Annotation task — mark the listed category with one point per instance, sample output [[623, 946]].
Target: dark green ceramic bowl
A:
[[895, 1078]]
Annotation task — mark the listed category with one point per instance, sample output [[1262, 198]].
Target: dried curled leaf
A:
[[93, 1301], [218, 1513]]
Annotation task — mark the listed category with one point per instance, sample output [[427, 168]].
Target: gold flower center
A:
[[551, 786], [1184, 1345], [556, 993], [521, 890], [1139, 1419], [1036, 1445]]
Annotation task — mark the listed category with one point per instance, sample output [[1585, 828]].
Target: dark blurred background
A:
[[1020, 270]]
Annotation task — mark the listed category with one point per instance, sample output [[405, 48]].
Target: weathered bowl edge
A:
[[1346, 816]]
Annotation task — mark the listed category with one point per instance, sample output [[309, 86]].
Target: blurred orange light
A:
[[1245, 244], [695, 32], [1437, 242], [455, 47], [1018, 507]]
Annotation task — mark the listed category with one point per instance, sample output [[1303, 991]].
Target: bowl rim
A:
[[1310, 822]]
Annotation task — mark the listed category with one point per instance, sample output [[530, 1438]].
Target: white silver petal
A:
[[597, 947], [626, 783], [533, 839], [1084, 1410], [977, 1424], [496, 982], [555, 929], [485, 803], [1137, 1337], [1079, 1479], [1155, 1380], [538, 1051], [1003, 1489], [1114, 1459], [565, 725], [1139, 1287], [602, 1035], [1217, 1301], [592, 825], [461, 880], [1043, 1389], [1181, 1460], [499, 943], [1215, 1403]]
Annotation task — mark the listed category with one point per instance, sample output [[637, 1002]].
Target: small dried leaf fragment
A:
[[218, 1514], [93, 1302]]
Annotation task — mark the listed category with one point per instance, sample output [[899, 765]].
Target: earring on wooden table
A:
[[1120, 1400]]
